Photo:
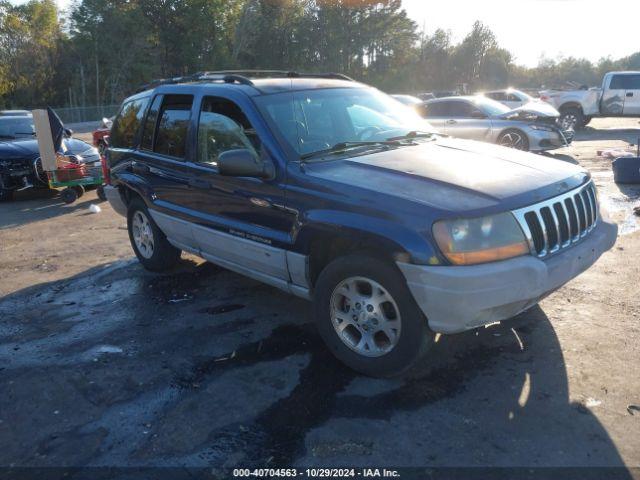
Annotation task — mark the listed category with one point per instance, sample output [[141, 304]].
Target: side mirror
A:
[[68, 132], [478, 114], [243, 163]]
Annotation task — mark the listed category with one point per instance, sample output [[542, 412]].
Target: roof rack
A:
[[239, 76]]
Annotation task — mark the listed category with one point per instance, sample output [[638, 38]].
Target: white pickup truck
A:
[[619, 96]]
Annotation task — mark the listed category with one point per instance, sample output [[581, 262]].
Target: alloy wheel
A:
[[365, 316], [143, 234]]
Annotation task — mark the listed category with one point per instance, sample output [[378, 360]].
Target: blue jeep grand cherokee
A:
[[335, 192]]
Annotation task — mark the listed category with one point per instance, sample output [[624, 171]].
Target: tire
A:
[[79, 190], [150, 245], [6, 194], [69, 195], [587, 121], [572, 118], [514, 138], [100, 192], [359, 275]]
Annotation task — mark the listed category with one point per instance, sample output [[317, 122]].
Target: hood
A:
[[456, 175], [28, 149], [531, 111], [16, 149]]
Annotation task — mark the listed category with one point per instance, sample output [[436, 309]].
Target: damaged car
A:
[[532, 127], [20, 164], [333, 191]]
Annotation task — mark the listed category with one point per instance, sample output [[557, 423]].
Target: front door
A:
[[465, 120], [238, 219]]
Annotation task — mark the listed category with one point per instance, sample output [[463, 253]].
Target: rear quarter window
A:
[[127, 123]]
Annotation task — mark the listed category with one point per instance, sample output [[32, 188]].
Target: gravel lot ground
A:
[[104, 364]]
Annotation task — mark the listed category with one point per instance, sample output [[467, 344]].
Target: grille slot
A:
[[559, 222]]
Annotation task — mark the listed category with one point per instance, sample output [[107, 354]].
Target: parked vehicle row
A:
[[335, 192], [20, 165], [619, 96]]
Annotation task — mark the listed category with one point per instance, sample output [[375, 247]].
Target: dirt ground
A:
[[104, 364]]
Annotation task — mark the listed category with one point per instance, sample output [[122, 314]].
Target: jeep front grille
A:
[[559, 222]]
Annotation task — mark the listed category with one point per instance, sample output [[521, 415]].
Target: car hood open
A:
[[456, 175]]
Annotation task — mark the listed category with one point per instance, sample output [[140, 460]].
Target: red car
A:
[[101, 135]]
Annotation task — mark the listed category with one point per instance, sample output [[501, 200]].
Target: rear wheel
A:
[[514, 139], [69, 195], [572, 118], [149, 243], [368, 318]]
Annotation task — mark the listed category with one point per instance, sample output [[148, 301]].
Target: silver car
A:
[[532, 127]]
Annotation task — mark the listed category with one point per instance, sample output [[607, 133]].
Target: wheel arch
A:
[[325, 241]]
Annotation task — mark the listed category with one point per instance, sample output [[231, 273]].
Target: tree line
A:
[[102, 50]]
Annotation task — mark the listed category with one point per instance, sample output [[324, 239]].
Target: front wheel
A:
[[6, 194], [149, 243], [368, 318], [514, 139]]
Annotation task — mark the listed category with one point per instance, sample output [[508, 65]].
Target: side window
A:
[[173, 125], [633, 82], [223, 127], [437, 109], [150, 123], [460, 109], [497, 96], [617, 82], [127, 123], [513, 98]]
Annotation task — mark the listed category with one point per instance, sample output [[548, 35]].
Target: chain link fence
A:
[[86, 114]]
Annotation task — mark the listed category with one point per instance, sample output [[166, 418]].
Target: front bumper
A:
[[456, 299], [542, 140], [115, 199]]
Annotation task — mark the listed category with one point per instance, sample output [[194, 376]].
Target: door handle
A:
[[199, 183], [629, 94], [140, 169], [451, 122]]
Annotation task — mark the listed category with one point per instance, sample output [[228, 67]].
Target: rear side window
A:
[[173, 125], [150, 123], [127, 124]]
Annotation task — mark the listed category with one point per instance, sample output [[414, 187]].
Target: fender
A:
[[392, 237]]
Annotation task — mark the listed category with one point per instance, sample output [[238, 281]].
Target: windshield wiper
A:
[[412, 134], [342, 146]]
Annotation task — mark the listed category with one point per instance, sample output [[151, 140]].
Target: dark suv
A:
[[333, 191]]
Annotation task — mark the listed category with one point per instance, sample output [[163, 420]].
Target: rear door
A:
[[613, 96], [161, 161], [632, 95]]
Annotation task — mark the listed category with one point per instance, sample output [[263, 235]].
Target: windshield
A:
[[490, 107], [16, 127], [317, 120]]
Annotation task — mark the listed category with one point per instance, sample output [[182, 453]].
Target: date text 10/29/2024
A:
[[316, 473]]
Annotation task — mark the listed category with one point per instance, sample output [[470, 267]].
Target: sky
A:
[[532, 28]]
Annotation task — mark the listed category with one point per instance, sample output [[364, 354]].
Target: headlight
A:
[[480, 240], [544, 128]]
